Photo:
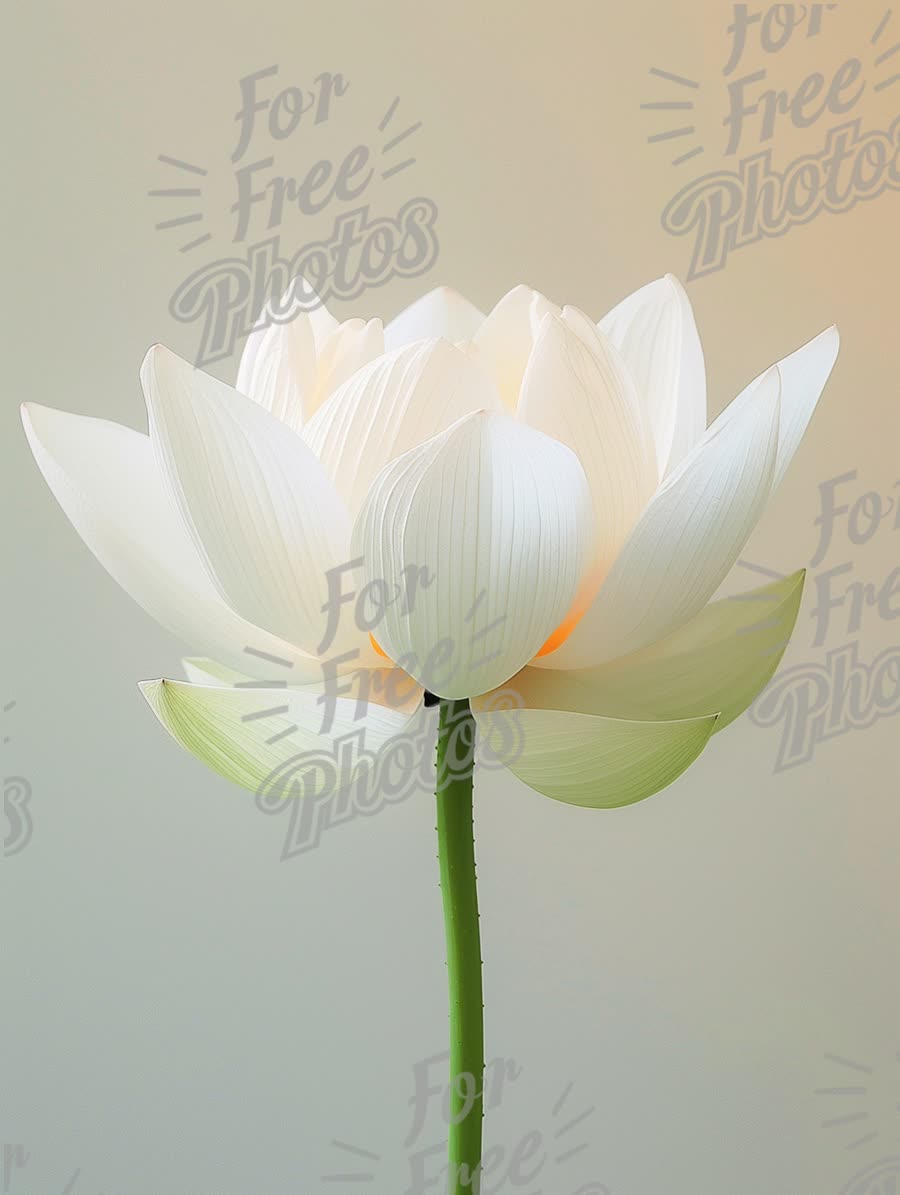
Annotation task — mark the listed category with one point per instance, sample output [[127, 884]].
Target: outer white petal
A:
[[263, 512], [599, 763], [655, 332], [390, 406], [277, 742], [442, 312], [499, 517], [803, 377], [580, 393], [687, 539], [719, 661], [506, 338], [350, 346], [108, 483]]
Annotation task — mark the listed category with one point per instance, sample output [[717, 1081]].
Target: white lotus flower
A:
[[550, 480]]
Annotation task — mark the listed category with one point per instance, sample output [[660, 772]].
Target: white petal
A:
[[803, 377], [200, 670], [655, 332], [581, 394], [499, 516], [301, 296], [507, 336], [442, 312], [278, 362], [278, 365], [389, 687], [349, 347], [599, 763], [274, 741], [108, 483], [322, 322], [390, 406], [298, 353], [687, 539], [263, 512], [718, 662]]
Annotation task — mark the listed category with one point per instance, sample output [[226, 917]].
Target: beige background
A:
[[182, 1012]]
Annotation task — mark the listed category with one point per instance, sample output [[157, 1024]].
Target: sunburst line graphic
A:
[[670, 133], [692, 153], [386, 119], [266, 655], [567, 1128], [267, 683], [279, 710], [396, 169], [571, 1153], [673, 105], [571, 1124], [413, 128], [365, 1176], [182, 165], [355, 1176], [672, 78], [762, 570], [396, 140], [175, 192], [882, 25], [762, 624], [282, 734], [850, 1064], [169, 193], [177, 221], [854, 1116], [201, 240], [886, 55], [181, 193], [557, 1107], [668, 105], [849, 1118], [274, 712]]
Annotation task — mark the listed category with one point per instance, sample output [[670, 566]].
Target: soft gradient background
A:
[[180, 1011]]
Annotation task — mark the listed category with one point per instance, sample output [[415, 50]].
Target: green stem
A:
[[456, 842]]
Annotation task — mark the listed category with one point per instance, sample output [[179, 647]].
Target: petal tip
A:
[[675, 282]]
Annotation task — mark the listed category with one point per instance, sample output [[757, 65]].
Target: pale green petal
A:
[[717, 662], [259, 737], [582, 759]]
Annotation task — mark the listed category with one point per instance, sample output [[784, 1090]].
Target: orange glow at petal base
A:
[[570, 622], [560, 635], [377, 647]]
